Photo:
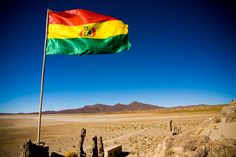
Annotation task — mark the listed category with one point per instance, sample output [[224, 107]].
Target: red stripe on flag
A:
[[76, 17]]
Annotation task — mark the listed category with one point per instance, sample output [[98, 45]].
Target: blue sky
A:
[[183, 52]]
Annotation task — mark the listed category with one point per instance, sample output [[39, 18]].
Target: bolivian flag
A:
[[82, 32]]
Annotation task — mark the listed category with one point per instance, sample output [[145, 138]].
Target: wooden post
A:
[[81, 152], [100, 148], [170, 125], [42, 81], [94, 147]]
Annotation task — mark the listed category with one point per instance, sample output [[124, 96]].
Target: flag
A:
[[83, 32]]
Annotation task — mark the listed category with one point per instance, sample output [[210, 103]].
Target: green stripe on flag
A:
[[87, 46]]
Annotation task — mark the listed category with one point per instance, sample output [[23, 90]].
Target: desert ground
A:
[[138, 132]]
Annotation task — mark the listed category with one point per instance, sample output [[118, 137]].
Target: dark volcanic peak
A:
[[99, 108], [141, 106], [119, 107], [95, 108], [87, 109]]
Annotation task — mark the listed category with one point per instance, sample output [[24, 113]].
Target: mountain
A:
[[98, 108], [141, 106], [88, 109], [134, 106]]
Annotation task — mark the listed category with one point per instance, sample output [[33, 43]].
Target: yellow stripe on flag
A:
[[99, 30]]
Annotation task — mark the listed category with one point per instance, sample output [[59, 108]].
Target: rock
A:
[[30, 149], [202, 140], [229, 112], [215, 120], [221, 150], [202, 151], [229, 141], [186, 145]]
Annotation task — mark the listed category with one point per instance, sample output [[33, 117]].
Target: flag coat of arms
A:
[[82, 32]]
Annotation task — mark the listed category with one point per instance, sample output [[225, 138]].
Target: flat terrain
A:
[[137, 132]]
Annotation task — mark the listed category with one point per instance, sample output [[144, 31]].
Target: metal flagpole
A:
[[42, 81]]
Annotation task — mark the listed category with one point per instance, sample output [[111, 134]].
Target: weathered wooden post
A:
[[174, 132], [81, 152], [170, 125], [94, 147], [100, 148]]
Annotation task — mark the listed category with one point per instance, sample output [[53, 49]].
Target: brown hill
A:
[[136, 106], [98, 108], [88, 109]]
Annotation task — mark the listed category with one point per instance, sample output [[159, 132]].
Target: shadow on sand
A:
[[123, 154]]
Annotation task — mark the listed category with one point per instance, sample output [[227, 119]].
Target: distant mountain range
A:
[[99, 108], [134, 106]]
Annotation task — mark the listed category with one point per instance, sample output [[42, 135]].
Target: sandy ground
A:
[[136, 132]]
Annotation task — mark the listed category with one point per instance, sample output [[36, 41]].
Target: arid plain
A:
[[137, 132]]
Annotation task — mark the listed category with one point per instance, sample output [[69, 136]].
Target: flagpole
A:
[[42, 81]]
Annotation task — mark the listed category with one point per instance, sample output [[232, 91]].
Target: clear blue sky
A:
[[183, 52]]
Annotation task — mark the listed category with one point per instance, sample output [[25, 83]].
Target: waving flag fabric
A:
[[82, 32]]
